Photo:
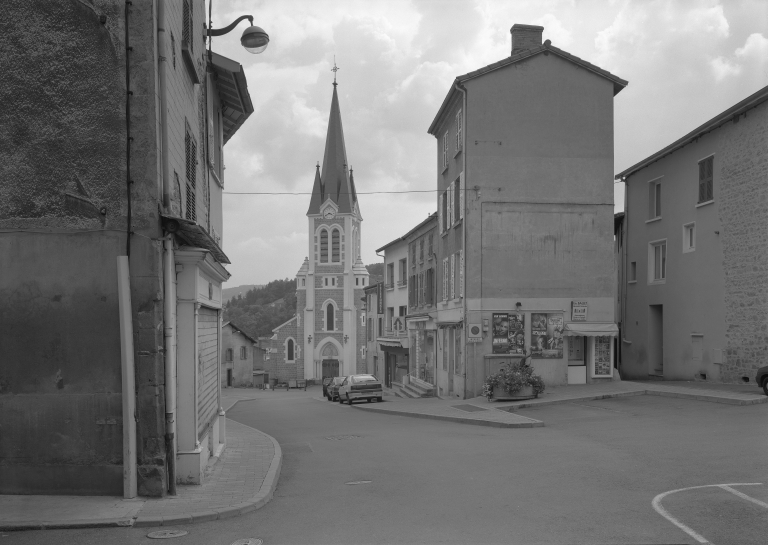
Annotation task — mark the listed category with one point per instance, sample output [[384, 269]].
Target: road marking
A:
[[698, 537], [744, 496]]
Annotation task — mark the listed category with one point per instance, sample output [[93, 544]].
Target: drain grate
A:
[[358, 482], [248, 541], [166, 534], [342, 437], [468, 408]]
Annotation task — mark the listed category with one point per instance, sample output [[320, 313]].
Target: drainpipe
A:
[[169, 266], [459, 87], [128, 376]]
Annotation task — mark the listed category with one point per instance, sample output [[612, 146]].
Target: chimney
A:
[[525, 37]]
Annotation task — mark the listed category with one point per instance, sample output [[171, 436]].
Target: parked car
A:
[[326, 382], [332, 391], [762, 378], [356, 387]]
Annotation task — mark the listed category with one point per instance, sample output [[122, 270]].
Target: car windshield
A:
[[338, 380], [364, 378]]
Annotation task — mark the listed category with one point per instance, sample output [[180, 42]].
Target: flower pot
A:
[[526, 392]]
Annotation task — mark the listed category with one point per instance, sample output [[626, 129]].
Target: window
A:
[[173, 50], [633, 271], [390, 275], [443, 219], [461, 273], [654, 200], [390, 317], [657, 261], [453, 276], [445, 151], [190, 152], [458, 130], [362, 318], [187, 31], [303, 282], [429, 247], [705, 180], [403, 272], [335, 246], [242, 353], [689, 237], [421, 250], [446, 272], [330, 316], [413, 254], [289, 349], [229, 355], [381, 326], [323, 246], [456, 200]]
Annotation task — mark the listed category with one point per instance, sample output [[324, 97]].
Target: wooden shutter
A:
[[439, 216], [450, 205], [453, 276], [461, 195], [461, 273], [445, 279], [207, 366]]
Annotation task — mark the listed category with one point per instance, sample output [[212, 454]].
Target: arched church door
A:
[[330, 357]]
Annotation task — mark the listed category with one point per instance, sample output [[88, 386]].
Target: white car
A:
[[357, 387]]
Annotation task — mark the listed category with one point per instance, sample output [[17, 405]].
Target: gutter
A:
[[463, 198]]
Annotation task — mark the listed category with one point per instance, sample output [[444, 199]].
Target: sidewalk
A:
[[478, 411], [243, 479]]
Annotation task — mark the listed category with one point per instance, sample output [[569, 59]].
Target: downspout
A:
[[463, 273], [169, 266], [625, 251]]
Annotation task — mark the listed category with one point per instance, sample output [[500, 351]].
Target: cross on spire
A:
[[334, 70]]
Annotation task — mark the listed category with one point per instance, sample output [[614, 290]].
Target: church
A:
[[326, 338]]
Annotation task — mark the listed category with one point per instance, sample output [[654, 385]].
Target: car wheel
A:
[[368, 400], [328, 397], [349, 400], [341, 400], [379, 399], [765, 385]]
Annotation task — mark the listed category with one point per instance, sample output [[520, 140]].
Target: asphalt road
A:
[[589, 476]]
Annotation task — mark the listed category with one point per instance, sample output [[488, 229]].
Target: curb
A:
[[262, 497], [488, 423], [72, 524]]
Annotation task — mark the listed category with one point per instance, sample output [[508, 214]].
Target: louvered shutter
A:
[[461, 196], [439, 216], [461, 273], [453, 276], [445, 279], [450, 205]]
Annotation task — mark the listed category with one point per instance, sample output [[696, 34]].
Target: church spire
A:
[[334, 181]]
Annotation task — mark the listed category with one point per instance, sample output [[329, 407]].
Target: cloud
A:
[[752, 56]]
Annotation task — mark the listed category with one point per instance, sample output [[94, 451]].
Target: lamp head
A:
[[254, 39]]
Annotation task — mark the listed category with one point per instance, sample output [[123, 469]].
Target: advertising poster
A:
[[547, 335], [603, 356], [500, 333], [516, 333]]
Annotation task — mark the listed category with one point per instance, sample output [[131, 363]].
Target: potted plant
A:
[[516, 380]]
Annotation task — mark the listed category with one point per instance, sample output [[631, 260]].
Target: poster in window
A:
[[547, 335], [516, 333], [603, 356], [500, 333]]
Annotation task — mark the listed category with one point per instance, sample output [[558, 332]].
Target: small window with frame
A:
[[632, 278], [706, 177], [657, 262], [689, 237], [654, 200]]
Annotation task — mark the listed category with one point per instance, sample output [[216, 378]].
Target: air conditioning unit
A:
[[474, 333]]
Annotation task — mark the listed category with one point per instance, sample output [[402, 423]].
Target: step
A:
[[401, 390], [417, 391]]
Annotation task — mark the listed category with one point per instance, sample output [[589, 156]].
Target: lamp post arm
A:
[[226, 29]]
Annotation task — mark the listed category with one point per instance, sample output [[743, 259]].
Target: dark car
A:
[[332, 391], [326, 382], [762, 378]]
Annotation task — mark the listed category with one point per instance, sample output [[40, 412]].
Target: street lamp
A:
[[254, 39]]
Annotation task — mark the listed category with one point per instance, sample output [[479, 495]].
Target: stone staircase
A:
[[413, 388]]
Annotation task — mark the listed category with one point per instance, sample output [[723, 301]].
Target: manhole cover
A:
[[248, 541], [358, 482], [166, 534], [341, 437], [468, 408]]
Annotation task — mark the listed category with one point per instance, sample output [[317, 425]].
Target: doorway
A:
[[229, 378], [330, 368], [656, 340]]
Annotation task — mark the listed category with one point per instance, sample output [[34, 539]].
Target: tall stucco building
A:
[[327, 335], [112, 130], [525, 218], [694, 265]]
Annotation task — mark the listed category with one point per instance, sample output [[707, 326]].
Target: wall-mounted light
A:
[[254, 39], [309, 339], [518, 306]]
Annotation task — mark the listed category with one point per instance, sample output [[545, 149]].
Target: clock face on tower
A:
[[329, 213]]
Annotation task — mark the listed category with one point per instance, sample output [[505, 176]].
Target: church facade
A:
[[326, 338]]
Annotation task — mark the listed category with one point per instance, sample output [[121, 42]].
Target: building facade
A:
[[693, 256], [525, 218], [393, 340], [123, 218], [374, 329], [240, 357]]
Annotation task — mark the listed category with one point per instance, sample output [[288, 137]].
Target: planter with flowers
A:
[[515, 381]]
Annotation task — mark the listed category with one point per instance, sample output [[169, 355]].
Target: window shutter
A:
[[439, 217], [461, 195], [461, 273], [450, 205], [445, 279], [453, 276]]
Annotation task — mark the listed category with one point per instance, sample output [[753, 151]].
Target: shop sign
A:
[[380, 298], [508, 333], [547, 335], [578, 311]]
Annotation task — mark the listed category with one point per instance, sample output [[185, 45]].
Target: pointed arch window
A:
[[335, 246], [289, 350], [330, 317], [323, 246]]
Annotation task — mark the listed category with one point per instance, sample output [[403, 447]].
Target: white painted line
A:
[[664, 513], [744, 496]]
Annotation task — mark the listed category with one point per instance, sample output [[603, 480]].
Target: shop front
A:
[[422, 332], [395, 360]]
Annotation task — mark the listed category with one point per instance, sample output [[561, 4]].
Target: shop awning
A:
[[590, 329], [392, 345], [194, 235]]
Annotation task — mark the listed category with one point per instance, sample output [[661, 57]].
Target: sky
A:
[[686, 61]]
